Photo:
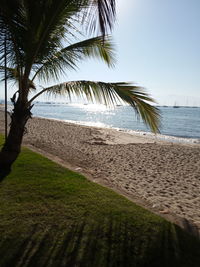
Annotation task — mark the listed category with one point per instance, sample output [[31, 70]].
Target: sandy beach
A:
[[161, 176]]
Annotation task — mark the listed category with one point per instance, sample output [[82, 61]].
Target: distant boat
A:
[[175, 106]]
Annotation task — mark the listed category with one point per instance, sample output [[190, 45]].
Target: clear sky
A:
[[157, 47]]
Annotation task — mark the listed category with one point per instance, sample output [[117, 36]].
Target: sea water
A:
[[179, 124]]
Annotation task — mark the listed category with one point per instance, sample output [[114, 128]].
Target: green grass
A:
[[50, 216]]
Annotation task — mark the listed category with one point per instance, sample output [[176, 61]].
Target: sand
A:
[[161, 176]]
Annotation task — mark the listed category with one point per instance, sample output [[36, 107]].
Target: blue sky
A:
[[157, 47]]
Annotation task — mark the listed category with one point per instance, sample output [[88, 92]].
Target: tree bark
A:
[[12, 147]]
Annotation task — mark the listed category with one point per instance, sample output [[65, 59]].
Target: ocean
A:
[[180, 124]]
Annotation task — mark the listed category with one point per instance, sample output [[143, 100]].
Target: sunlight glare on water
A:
[[93, 107], [179, 122]]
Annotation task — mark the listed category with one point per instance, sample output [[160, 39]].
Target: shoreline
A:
[[148, 134], [139, 135], [161, 176], [155, 137]]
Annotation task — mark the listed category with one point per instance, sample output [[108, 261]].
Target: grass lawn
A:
[[50, 216]]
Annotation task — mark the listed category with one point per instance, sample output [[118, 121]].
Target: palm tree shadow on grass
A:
[[4, 173], [109, 243]]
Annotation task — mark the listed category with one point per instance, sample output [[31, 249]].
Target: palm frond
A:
[[13, 76], [37, 28], [12, 23], [101, 15], [67, 58], [110, 94]]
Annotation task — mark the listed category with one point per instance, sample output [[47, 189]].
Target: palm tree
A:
[[42, 44]]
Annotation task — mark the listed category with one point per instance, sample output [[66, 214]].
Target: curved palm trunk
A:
[[12, 147]]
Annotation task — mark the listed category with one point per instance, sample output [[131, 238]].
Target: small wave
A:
[[84, 123], [162, 137], [90, 123]]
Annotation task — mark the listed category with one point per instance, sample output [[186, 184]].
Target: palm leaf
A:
[[67, 58], [101, 15], [38, 28], [13, 75], [110, 94]]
